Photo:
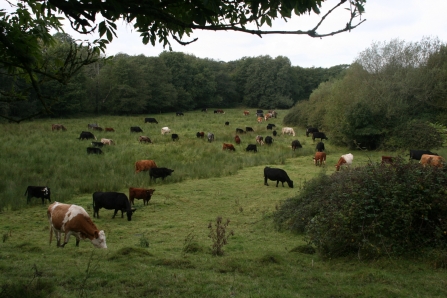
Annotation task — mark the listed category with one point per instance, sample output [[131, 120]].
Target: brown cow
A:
[[140, 193], [226, 146], [320, 158], [144, 165], [246, 113], [387, 159], [432, 160], [260, 119], [260, 140], [98, 128], [57, 127], [109, 129], [237, 139], [144, 139]]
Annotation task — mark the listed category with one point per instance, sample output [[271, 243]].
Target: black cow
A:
[[227, 123], [270, 126], [275, 133], [239, 130], [268, 140], [97, 144], [93, 150], [320, 147], [200, 134], [278, 175], [135, 129], [215, 111], [38, 192], [259, 114], [248, 129], [259, 111], [174, 137], [311, 130], [150, 120], [204, 109], [210, 137], [417, 154], [110, 201], [155, 173], [85, 135], [296, 144], [252, 147], [179, 114], [319, 135]]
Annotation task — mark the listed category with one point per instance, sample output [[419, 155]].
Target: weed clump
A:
[[218, 235]]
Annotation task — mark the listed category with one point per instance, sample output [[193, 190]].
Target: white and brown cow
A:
[[107, 141], [288, 130], [345, 159], [73, 220]]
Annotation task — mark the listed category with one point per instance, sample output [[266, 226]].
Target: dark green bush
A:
[[397, 209]]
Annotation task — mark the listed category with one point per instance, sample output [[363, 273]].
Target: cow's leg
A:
[[58, 238], [277, 182], [265, 181], [114, 214]]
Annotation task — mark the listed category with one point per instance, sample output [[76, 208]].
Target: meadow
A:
[[166, 249]]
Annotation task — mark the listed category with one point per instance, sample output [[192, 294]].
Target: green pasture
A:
[[165, 250]]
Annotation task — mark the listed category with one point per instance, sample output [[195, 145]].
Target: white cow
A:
[[107, 141], [344, 159], [165, 130], [288, 130]]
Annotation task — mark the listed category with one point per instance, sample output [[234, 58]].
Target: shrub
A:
[[397, 209], [219, 235]]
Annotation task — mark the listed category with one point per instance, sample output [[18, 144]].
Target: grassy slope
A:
[[257, 261]]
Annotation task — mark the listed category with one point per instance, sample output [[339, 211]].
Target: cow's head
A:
[[290, 183], [45, 191], [129, 213], [100, 239]]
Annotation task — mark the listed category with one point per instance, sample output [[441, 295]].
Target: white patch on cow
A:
[[100, 242], [348, 158], [72, 212], [45, 191]]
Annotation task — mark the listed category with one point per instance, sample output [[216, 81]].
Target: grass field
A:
[[165, 250]]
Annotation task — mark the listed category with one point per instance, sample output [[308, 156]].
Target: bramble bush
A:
[[376, 210]]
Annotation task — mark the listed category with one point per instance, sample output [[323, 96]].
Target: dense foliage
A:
[[372, 211]]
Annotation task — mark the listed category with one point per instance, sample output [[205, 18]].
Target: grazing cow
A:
[[417, 154], [97, 128], [267, 116], [150, 120], [110, 201], [97, 144], [135, 129], [204, 109], [179, 114], [270, 126], [296, 144], [248, 128], [320, 147], [311, 130], [144, 165], [85, 135], [246, 113], [320, 158], [215, 111], [432, 160], [210, 137], [58, 127], [42, 192], [345, 159], [261, 115], [239, 130], [226, 146], [220, 112], [275, 133], [387, 159], [155, 173], [259, 111], [92, 125], [319, 135], [288, 130], [237, 139], [200, 134], [144, 139], [259, 119], [165, 130], [260, 140], [251, 147], [274, 113], [72, 219], [110, 129], [94, 150], [227, 123], [175, 137], [278, 175], [107, 141], [140, 193], [268, 140]]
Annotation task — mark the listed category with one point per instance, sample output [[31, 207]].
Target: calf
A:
[[174, 137], [252, 147], [227, 123], [42, 192], [320, 158], [319, 135], [200, 134], [226, 146], [97, 144], [162, 173], [248, 128], [345, 159], [110, 201], [237, 139], [296, 144], [210, 137], [417, 154], [135, 129], [320, 147], [268, 140], [140, 193], [72, 219], [278, 175], [94, 150], [144, 165], [150, 120], [144, 139], [85, 135], [432, 160]]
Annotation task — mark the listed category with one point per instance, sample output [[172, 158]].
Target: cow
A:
[[85, 135], [259, 111], [97, 128], [42, 192], [174, 137], [239, 130], [92, 125], [311, 130], [260, 140], [165, 130], [260, 115], [144, 139], [204, 110], [227, 123], [288, 130], [248, 128], [251, 147], [97, 144], [387, 159], [432, 160], [270, 126], [210, 137], [319, 135], [155, 173], [144, 165], [237, 139], [109, 129], [259, 119], [267, 116], [94, 150], [319, 158], [150, 120], [345, 159], [246, 113], [110, 201], [268, 140], [140, 193], [278, 175], [200, 134], [107, 141], [179, 114], [417, 154], [135, 129], [296, 144], [274, 133], [274, 113], [72, 219], [226, 146], [58, 127], [320, 147], [215, 111], [220, 112]]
